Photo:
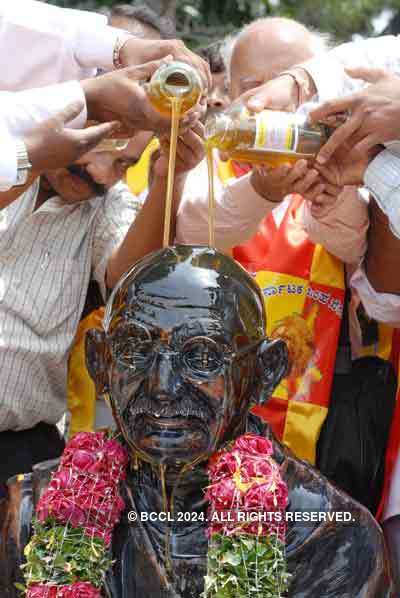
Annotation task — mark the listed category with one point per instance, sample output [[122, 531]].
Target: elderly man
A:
[[261, 51]]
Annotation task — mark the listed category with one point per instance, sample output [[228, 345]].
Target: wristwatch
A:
[[23, 164]]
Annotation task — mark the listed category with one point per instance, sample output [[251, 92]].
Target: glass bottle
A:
[[174, 80], [267, 137]]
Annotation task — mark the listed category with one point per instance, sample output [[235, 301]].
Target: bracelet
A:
[[119, 44], [303, 85], [289, 74]]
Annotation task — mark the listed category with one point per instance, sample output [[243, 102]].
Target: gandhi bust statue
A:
[[183, 357]]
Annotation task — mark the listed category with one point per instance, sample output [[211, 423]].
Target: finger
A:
[[334, 107], [307, 182], [314, 192], [260, 100], [90, 137], [332, 190], [298, 171], [367, 74], [365, 145], [194, 142], [70, 112], [338, 137], [147, 70]]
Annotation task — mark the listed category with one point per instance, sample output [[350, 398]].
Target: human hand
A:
[[346, 167], [189, 152], [274, 184], [282, 93], [139, 51], [119, 96], [53, 145], [374, 114]]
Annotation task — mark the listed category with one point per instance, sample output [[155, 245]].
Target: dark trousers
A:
[[20, 451]]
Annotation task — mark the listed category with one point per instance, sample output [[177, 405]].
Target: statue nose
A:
[[162, 378]]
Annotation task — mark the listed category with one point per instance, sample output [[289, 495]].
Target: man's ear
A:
[[96, 359], [272, 366]]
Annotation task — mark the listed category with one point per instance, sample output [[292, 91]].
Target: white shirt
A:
[[331, 81], [47, 257], [40, 45]]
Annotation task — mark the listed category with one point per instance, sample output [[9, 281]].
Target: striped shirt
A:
[[47, 257]]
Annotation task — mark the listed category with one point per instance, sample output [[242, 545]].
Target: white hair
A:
[[321, 42]]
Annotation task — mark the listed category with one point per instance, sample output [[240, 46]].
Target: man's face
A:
[[218, 98], [108, 167], [95, 172], [174, 377]]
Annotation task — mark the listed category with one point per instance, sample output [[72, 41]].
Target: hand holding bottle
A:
[[119, 96], [374, 114]]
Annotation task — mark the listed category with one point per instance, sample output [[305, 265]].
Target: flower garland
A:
[[248, 498], [68, 554]]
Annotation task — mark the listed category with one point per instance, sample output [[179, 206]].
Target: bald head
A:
[[267, 47]]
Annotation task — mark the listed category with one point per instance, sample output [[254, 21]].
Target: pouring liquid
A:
[[176, 105]]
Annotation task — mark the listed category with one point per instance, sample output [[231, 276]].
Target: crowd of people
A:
[[71, 224]]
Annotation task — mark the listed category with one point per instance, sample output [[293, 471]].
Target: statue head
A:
[[183, 355]]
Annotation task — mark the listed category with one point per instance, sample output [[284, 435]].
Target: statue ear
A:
[[272, 366], [97, 359]]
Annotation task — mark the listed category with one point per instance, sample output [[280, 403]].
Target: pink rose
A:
[[89, 441], [54, 504], [253, 445], [224, 467], [259, 498], [223, 494], [254, 467]]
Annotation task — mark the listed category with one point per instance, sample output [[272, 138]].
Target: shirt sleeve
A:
[[50, 44], [22, 111], [8, 159], [114, 217], [383, 307], [342, 229], [238, 210], [382, 179], [327, 70]]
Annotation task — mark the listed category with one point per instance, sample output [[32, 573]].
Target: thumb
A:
[[70, 112], [367, 74], [92, 136], [147, 70], [260, 100]]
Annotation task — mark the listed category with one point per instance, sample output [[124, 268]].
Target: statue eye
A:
[[132, 348], [202, 357]]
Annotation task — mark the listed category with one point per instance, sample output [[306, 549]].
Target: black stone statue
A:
[[183, 358]]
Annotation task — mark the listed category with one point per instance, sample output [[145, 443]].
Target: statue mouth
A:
[[180, 427]]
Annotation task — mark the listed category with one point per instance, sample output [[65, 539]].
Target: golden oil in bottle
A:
[[270, 136], [174, 80]]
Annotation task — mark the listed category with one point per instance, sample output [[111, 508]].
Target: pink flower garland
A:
[[245, 480], [84, 492]]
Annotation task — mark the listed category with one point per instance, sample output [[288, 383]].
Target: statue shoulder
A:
[[16, 514]]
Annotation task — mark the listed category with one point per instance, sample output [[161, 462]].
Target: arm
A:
[[50, 145], [122, 237], [146, 232], [382, 264], [342, 228], [238, 210], [71, 44]]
